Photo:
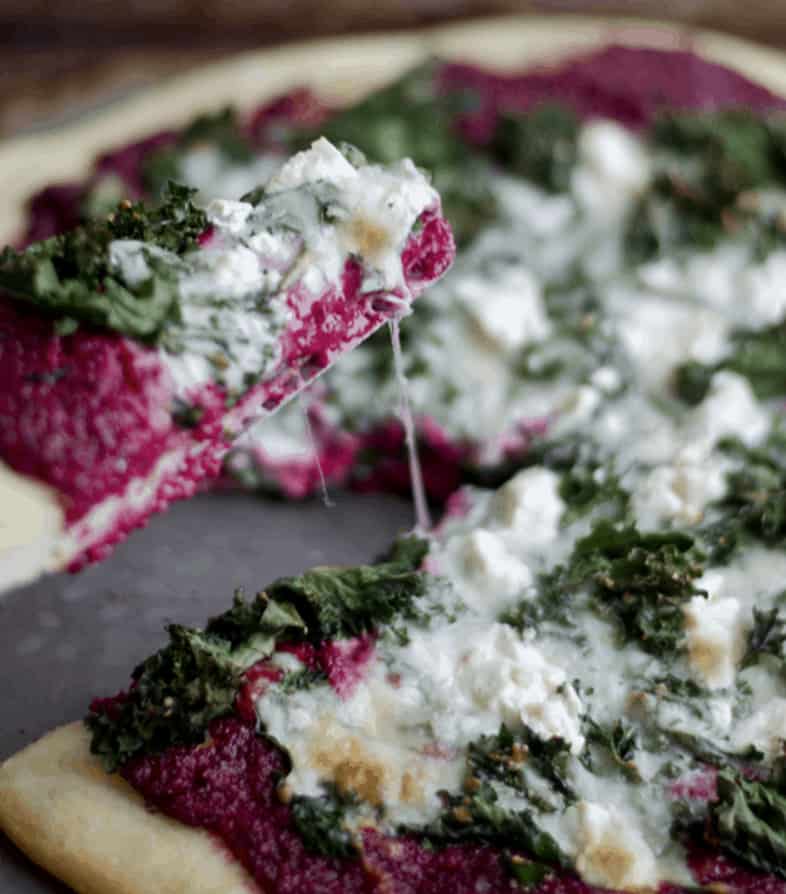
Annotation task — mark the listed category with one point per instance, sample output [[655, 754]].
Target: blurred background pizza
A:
[[61, 58]]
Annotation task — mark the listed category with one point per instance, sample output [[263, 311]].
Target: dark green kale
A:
[[748, 820], [641, 580], [196, 677], [177, 692], [221, 131], [478, 817], [340, 602], [618, 741], [767, 637], [539, 144], [320, 822], [755, 501], [411, 118], [759, 356], [512, 758], [707, 165], [69, 277]]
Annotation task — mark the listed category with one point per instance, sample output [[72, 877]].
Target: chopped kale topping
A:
[[539, 144], [707, 165], [179, 690], [640, 580], [320, 822], [478, 817], [618, 741], [759, 356], [341, 602], [412, 119], [749, 821], [513, 757], [755, 501], [221, 131], [767, 637], [69, 277]]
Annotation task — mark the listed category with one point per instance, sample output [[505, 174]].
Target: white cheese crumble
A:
[[510, 313], [529, 504], [613, 853], [715, 639], [765, 730]]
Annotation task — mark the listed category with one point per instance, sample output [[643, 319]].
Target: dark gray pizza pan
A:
[[69, 637]]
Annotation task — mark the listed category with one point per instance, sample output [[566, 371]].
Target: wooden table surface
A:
[[61, 58]]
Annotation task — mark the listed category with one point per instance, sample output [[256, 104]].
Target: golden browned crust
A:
[[93, 831]]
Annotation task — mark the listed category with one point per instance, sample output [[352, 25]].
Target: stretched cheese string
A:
[[422, 517], [305, 407]]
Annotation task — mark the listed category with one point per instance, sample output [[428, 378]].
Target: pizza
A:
[[137, 347], [575, 682]]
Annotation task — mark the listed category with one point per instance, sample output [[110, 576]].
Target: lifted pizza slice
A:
[[136, 348]]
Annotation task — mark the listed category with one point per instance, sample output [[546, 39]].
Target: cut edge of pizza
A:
[[137, 348]]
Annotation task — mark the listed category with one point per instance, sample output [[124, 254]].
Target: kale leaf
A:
[[341, 602], [320, 823], [749, 821], [707, 164], [69, 277], [478, 817], [539, 144], [759, 356], [221, 131], [193, 680], [767, 637], [641, 579], [619, 741], [755, 501], [412, 118]]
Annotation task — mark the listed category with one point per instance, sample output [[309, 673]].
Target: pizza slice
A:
[[136, 348], [538, 695]]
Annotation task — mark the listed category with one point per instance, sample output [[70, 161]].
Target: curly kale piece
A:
[[641, 580], [759, 356], [748, 820], [194, 679], [755, 501], [69, 276], [540, 144], [767, 637], [341, 602], [320, 822], [180, 689], [221, 131], [707, 164]]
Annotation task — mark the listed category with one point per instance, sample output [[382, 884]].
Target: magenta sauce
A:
[[627, 84], [88, 412]]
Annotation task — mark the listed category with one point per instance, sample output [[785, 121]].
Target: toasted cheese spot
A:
[[411, 790], [367, 238], [714, 639], [352, 769], [613, 852]]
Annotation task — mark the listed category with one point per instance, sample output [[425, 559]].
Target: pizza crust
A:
[[92, 830]]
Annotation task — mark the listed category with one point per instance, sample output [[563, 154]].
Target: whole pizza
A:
[[576, 680]]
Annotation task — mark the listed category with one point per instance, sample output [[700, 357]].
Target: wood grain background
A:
[[59, 58]]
